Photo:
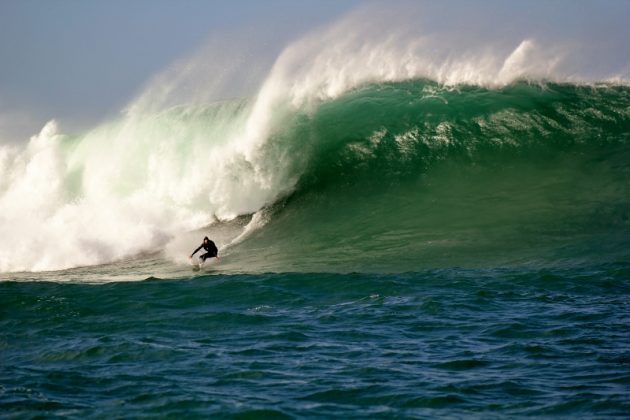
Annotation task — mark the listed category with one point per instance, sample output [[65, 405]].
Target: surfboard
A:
[[199, 264], [196, 264]]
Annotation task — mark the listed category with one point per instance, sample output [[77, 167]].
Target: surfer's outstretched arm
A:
[[195, 251]]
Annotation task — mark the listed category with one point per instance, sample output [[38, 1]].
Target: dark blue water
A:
[[440, 343]]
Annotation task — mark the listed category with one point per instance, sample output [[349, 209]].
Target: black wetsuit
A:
[[211, 250]]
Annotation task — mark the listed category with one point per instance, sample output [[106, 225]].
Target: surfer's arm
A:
[[200, 246]]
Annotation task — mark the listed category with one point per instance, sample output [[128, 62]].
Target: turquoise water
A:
[[406, 249], [451, 342]]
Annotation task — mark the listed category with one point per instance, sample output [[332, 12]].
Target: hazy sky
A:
[[81, 61]]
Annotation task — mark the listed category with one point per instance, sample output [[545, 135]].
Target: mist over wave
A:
[[392, 113]]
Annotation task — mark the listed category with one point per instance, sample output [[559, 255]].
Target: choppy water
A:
[[475, 343]]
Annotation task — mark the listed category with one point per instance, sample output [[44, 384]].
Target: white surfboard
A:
[[196, 264]]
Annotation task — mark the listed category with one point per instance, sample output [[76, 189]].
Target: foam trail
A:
[[259, 219]]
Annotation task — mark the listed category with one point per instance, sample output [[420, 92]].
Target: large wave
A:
[[351, 129], [404, 176]]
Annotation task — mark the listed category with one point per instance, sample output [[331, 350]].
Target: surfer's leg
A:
[[208, 255]]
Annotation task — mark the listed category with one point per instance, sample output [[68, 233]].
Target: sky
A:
[[82, 61]]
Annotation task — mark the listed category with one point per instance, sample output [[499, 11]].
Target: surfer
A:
[[211, 250]]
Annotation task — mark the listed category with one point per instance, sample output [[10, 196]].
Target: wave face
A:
[[358, 152], [388, 176], [408, 175]]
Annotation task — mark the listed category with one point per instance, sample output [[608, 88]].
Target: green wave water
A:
[[387, 177], [407, 176]]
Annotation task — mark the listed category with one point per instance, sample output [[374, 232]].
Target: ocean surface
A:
[[398, 239], [452, 342]]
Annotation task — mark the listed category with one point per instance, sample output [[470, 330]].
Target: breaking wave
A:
[[357, 152]]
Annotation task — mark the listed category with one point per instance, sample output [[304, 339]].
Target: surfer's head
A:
[[205, 239]]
